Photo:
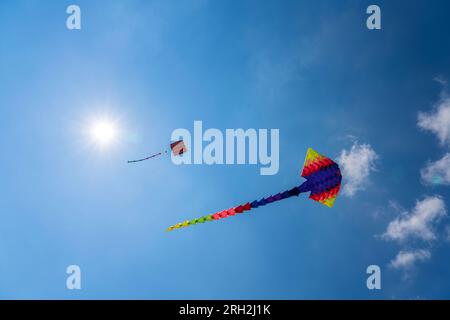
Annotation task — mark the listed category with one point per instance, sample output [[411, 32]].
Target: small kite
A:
[[177, 147], [323, 180]]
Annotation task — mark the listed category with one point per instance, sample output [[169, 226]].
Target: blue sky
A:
[[308, 68]]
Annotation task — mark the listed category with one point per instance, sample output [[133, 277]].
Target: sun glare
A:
[[104, 132]]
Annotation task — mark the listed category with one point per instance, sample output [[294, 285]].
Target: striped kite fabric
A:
[[178, 148], [323, 178]]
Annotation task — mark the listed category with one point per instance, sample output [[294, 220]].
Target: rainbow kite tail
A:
[[241, 208], [323, 180]]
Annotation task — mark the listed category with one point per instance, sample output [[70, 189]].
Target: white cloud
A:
[[419, 223], [437, 172], [356, 165], [437, 121], [407, 259]]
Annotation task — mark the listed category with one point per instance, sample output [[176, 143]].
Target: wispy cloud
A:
[[437, 172], [407, 259], [447, 233], [419, 223], [418, 226], [438, 120], [441, 80], [356, 165]]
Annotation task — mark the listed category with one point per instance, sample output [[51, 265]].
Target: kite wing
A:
[[323, 177]]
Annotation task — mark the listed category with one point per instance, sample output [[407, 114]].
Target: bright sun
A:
[[104, 132]]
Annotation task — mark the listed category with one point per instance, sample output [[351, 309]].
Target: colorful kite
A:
[[177, 147], [323, 180]]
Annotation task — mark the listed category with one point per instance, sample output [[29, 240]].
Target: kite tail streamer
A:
[[244, 207], [147, 158]]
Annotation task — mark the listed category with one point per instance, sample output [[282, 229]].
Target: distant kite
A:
[[177, 147], [323, 180]]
